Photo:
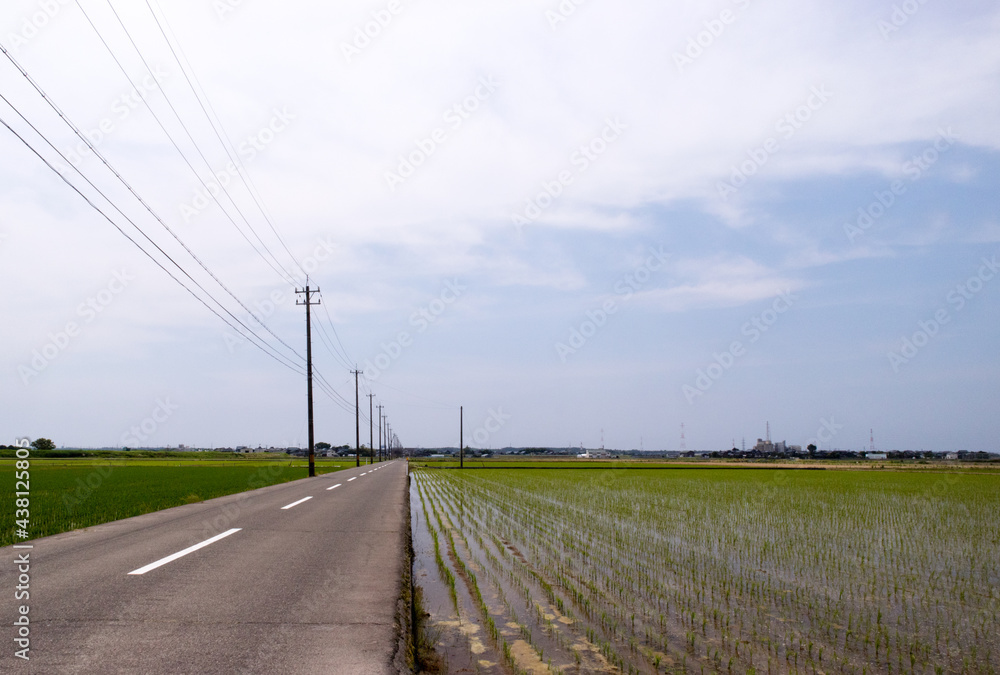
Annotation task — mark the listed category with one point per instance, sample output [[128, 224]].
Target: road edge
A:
[[404, 659]]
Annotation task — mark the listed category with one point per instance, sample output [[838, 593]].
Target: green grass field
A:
[[66, 494], [719, 570]]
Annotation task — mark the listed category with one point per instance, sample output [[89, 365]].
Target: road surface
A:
[[301, 577]]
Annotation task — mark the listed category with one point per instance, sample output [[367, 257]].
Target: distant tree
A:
[[322, 446], [811, 447], [43, 444]]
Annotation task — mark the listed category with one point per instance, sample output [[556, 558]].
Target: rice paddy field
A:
[[67, 494], [690, 570]]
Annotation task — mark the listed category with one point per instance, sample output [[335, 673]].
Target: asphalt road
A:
[[292, 587]]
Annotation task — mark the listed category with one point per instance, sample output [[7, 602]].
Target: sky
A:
[[583, 222]]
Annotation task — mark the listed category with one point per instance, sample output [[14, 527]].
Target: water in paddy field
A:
[[713, 572], [497, 620], [459, 641]]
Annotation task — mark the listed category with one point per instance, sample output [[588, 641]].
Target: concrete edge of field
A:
[[404, 659]]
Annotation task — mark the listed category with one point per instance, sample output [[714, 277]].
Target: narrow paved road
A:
[[295, 578]]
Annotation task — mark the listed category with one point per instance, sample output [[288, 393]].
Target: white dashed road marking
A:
[[180, 554], [304, 499]]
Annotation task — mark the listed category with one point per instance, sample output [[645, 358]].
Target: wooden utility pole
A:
[[371, 425], [309, 370], [357, 421], [380, 432], [461, 440]]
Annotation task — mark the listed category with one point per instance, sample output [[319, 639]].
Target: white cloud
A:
[[720, 281], [324, 178]]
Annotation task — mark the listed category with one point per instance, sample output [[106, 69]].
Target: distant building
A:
[[875, 455]]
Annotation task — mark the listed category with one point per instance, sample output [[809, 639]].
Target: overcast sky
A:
[[578, 220]]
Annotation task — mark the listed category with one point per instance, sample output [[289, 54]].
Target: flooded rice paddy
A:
[[708, 570]]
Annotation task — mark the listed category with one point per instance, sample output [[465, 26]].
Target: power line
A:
[[333, 328], [76, 130], [263, 346], [328, 344], [249, 333], [204, 101], [283, 274]]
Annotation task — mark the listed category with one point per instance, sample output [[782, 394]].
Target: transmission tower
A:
[[683, 441]]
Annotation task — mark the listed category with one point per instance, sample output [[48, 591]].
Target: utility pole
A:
[[309, 370], [357, 421], [371, 423], [380, 432], [461, 443]]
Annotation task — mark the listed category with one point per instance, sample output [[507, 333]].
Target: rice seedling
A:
[[731, 571]]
